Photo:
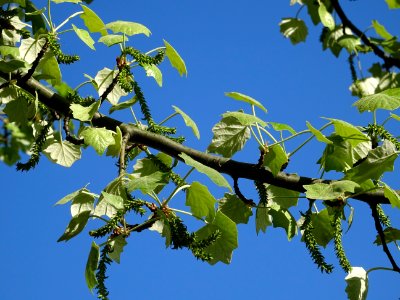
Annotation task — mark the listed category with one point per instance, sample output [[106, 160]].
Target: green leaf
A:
[[323, 230], [83, 113], [283, 218], [223, 247], [68, 197], [245, 98], [75, 226], [50, 69], [154, 71], [98, 138], [175, 59], [11, 65], [337, 156], [378, 161], [393, 4], [112, 39], [117, 245], [388, 99], [30, 49], [6, 50], [104, 79], [294, 29], [63, 153], [128, 28], [275, 158], [282, 197], [84, 36], [349, 132], [111, 199], [91, 266], [20, 110], [357, 284], [214, 175], [245, 119], [84, 201], [391, 194], [146, 184], [349, 42], [318, 134], [123, 105], [114, 149], [229, 137], [92, 21], [381, 30], [326, 18], [263, 219], [331, 191], [188, 121], [235, 209], [281, 127], [200, 201], [391, 235]]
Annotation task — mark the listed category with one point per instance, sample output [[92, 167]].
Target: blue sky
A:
[[227, 46]]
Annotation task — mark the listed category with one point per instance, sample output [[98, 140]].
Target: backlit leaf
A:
[[294, 29], [63, 153], [155, 72], [175, 59], [388, 99], [200, 201], [146, 184], [112, 39], [263, 219], [275, 158], [245, 119], [91, 266], [84, 113], [104, 79], [391, 194], [284, 219], [75, 226], [318, 134], [128, 28], [214, 175], [245, 98], [332, 191], [391, 235], [84, 36], [381, 30], [188, 121], [98, 138], [325, 16], [235, 209], [357, 284], [229, 137], [92, 21], [284, 198], [117, 245]]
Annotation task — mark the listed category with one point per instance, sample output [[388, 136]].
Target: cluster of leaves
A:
[[360, 154]]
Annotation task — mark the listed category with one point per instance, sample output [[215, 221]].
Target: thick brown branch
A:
[[389, 60], [233, 168]]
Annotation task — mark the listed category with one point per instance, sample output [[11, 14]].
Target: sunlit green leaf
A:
[[357, 284], [91, 266], [200, 201], [214, 175], [63, 153], [245, 98], [294, 29], [348, 132], [68, 197], [98, 138], [63, 1], [244, 119], [175, 59], [84, 36], [84, 113], [146, 184], [326, 18], [378, 161], [128, 28], [115, 148], [123, 105], [111, 199], [349, 42], [30, 49], [82, 202], [281, 127], [323, 230], [391, 194], [112, 39], [223, 247], [92, 21], [331, 191], [188, 121], [11, 65], [381, 30], [275, 158], [234, 208], [388, 99], [318, 134], [393, 4], [229, 137], [155, 72], [284, 198]]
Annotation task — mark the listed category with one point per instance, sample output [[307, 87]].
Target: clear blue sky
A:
[[227, 46]]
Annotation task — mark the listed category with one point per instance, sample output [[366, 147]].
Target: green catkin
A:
[[337, 239], [262, 192], [312, 246], [374, 130], [105, 261], [56, 49], [36, 149], [383, 218], [143, 59]]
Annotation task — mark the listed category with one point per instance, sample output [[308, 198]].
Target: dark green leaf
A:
[[391, 235], [146, 184], [284, 219], [123, 105], [283, 197], [91, 266], [332, 191], [391, 194], [275, 158], [200, 201], [235, 209], [323, 230], [222, 248], [75, 226], [393, 4], [117, 245], [263, 219], [294, 29]]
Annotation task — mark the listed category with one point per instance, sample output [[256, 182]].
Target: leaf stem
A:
[[257, 125], [169, 117], [181, 211], [67, 20], [177, 188]]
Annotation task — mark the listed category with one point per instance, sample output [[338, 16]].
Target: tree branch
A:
[[381, 234], [389, 60], [235, 169]]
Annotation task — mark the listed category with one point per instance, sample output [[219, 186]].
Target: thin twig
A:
[[381, 234], [238, 193]]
